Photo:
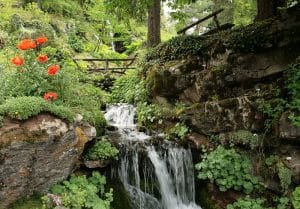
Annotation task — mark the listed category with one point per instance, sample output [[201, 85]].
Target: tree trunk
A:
[[268, 8], [154, 24]]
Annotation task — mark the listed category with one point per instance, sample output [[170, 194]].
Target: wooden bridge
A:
[[213, 15], [127, 64]]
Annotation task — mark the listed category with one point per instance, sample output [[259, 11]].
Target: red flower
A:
[[41, 40], [52, 70], [27, 44], [42, 58], [50, 96], [18, 61]]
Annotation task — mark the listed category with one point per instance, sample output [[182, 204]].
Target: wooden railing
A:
[[215, 19], [127, 62]]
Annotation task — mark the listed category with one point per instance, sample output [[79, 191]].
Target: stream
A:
[[155, 177]]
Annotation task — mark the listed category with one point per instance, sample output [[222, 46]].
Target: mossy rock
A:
[[161, 82]]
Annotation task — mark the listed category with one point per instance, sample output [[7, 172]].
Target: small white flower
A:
[[255, 135], [288, 158]]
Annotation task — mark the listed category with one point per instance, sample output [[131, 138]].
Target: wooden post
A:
[[217, 21], [199, 21], [106, 64]]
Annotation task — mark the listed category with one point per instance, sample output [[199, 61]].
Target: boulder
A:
[[287, 130], [226, 115], [37, 153], [198, 140]]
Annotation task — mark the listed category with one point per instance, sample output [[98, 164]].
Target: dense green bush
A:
[[247, 203], [285, 177], [296, 198], [228, 169], [32, 79], [149, 115], [102, 150], [68, 8], [129, 88], [179, 131], [82, 192], [22, 108], [179, 47]]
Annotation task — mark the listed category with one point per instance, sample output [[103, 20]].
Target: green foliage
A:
[[272, 108], [179, 131], [285, 177], [129, 88], [293, 87], [32, 80], [284, 173], [69, 8], [102, 150], [228, 169], [22, 108], [247, 203], [75, 42], [33, 202], [283, 203], [242, 137], [251, 38], [82, 192], [179, 47], [150, 115], [296, 198]]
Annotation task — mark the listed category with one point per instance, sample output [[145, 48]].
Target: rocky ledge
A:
[[37, 153]]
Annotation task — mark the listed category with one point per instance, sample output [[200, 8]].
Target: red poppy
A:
[[27, 44], [41, 40], [18, 61], [42, 58], [50, 96], [52, 70]]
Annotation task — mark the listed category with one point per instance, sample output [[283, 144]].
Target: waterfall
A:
[[154, 177]]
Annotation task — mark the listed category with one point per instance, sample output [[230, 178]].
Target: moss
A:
[[33, 202], [160, 82], [121, 196], [250, 38], [22, 108], [180, 47], [96, 118]]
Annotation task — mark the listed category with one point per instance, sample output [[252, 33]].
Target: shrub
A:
[[293, 87], [179, 47], [296, 198], [179, 131], [82, 192], [247, 203], [33, 76], [102, 150], [285, 177], [129, 88], [22, 108], [228, 169], [150, 115]]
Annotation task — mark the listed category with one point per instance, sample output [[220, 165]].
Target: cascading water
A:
[[155, 178]]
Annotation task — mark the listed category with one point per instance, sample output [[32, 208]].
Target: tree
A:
[[268, 8], [138, 9]]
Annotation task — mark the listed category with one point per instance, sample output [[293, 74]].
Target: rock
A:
[[96, 163], [35, 154], [78, 118], [241, 137], [198, 140], [224, 116], [286, 128], [292, 161]]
